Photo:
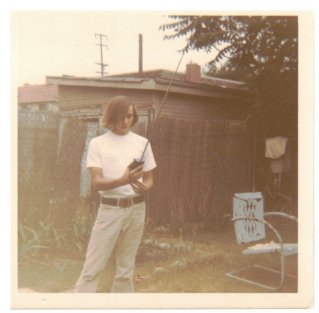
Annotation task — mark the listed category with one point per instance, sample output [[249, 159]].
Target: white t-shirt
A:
[[113, 153]]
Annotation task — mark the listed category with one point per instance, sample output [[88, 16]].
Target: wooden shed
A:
[[190, 95]]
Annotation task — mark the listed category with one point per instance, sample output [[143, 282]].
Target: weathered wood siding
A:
[[76, 98], [176, 105], [191, 107]]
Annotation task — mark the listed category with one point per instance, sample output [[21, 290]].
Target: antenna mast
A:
[[101, 44]]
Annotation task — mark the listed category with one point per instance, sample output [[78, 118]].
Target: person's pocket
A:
[[139, 213], [107, 216]]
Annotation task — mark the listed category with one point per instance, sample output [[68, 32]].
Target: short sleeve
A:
[[93, 155], [149, 159]]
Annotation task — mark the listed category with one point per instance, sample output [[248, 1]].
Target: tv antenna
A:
[[102, 44]]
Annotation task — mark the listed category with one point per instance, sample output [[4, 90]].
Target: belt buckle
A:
[[125, 203]]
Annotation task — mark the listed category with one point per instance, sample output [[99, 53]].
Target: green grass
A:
[[203, 270]]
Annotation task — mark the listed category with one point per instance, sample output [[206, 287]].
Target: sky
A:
[[64, 43]]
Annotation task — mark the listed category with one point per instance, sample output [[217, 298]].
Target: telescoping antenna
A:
[[169, 87], [142, 157]]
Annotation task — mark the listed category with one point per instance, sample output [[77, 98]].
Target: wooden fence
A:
[[201, 164]]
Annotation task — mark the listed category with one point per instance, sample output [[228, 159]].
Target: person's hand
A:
[[146, 185], [136, 173], [131, 176], [139, 187]]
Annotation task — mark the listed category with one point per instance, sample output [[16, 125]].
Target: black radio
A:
[[137, 162]]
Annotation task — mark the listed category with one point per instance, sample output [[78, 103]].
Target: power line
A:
[[101, 44]]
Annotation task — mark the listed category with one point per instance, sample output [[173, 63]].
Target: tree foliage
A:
[[260, 50]]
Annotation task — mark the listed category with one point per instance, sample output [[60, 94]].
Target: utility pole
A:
[[140, 53], [101, 44]]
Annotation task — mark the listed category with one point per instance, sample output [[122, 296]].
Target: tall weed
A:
[[29, 243], [47, 235]]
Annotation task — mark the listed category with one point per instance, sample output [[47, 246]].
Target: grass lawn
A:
[[164, 265]]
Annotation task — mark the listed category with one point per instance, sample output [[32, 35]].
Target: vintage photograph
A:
[[158, 153]]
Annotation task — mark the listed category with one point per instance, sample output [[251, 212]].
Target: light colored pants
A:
[[114, 228]]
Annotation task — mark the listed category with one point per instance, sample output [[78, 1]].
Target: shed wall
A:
[[75, 97]]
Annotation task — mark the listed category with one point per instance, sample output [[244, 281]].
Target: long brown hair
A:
[[116, 108]]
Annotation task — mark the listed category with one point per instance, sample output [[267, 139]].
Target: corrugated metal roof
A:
[[37, 93]]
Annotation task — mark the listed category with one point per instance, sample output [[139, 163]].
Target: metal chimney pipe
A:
[[140, 54]]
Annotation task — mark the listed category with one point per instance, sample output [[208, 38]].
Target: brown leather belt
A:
[[122, 202]]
